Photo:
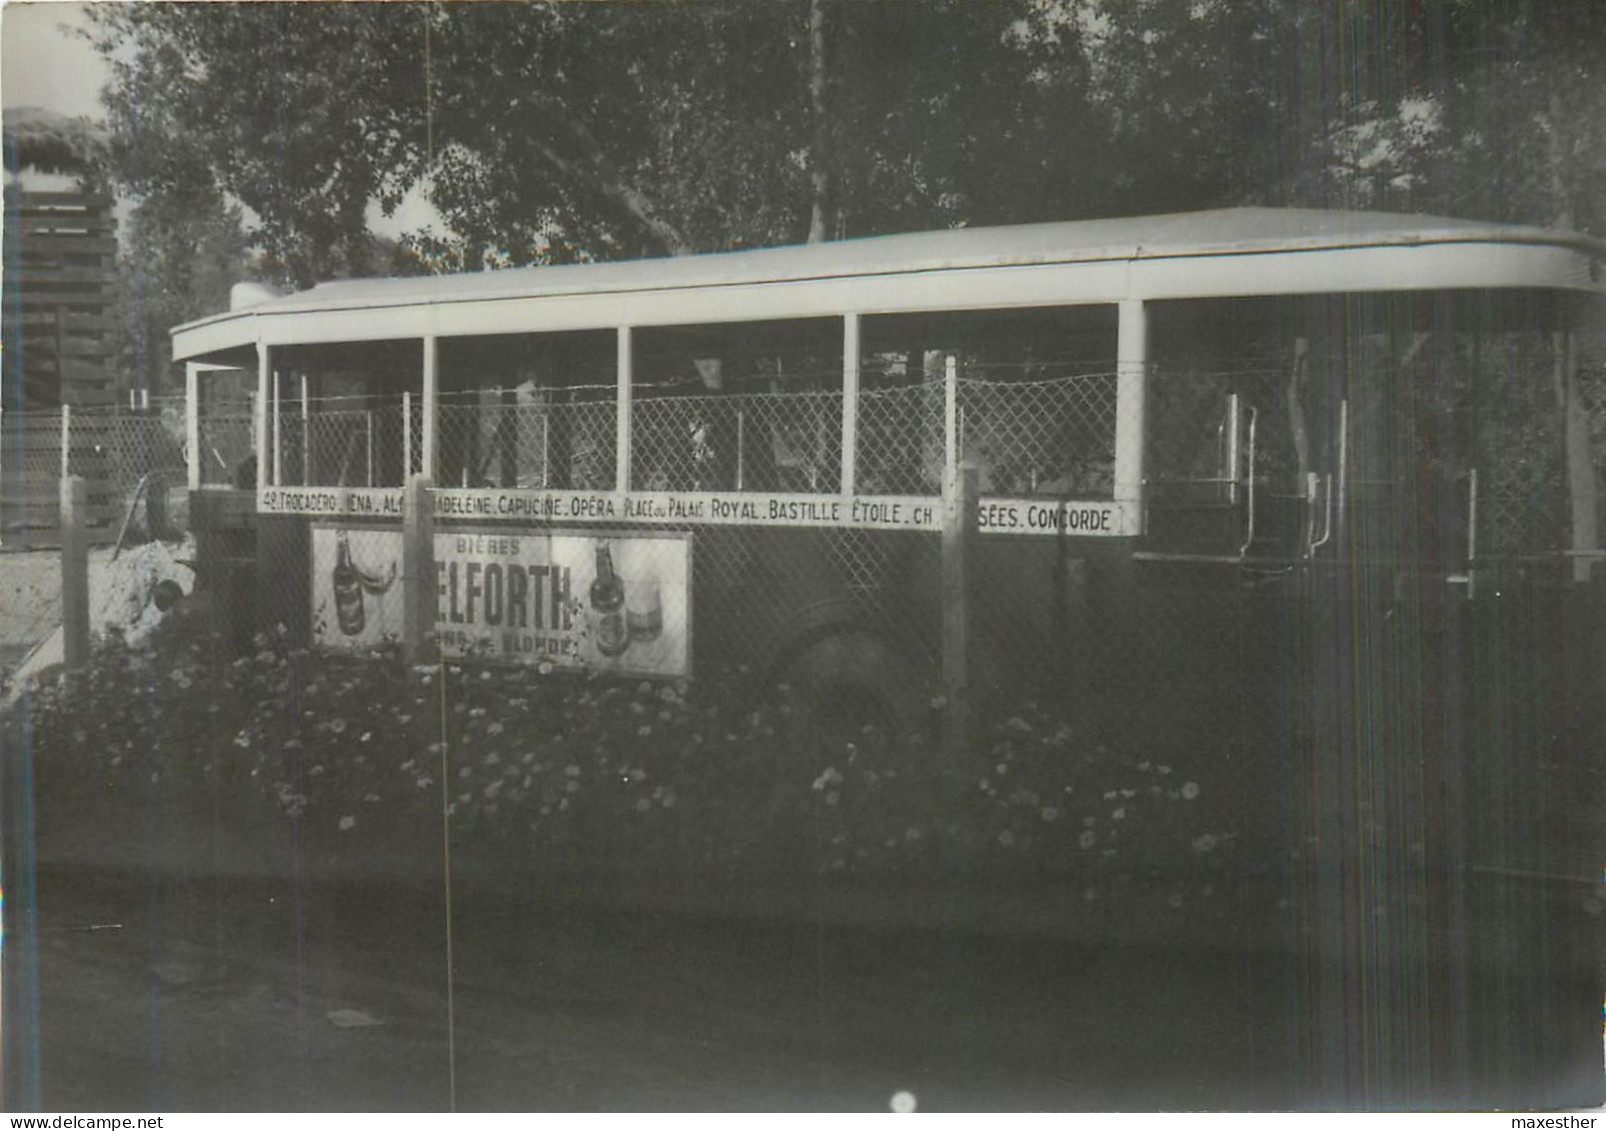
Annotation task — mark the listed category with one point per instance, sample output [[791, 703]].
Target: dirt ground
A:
[[119, 595], [30, 594]]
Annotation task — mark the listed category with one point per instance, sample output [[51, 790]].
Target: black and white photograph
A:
[[803, 556]]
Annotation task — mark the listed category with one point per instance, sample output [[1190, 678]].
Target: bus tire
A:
[[841, 683]]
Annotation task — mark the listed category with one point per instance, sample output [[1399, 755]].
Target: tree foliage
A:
[[561, 131]]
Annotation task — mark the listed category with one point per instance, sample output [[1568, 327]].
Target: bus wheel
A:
[[840, 685]]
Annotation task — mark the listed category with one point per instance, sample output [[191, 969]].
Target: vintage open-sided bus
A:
[[1166, 415], [1308, 500]]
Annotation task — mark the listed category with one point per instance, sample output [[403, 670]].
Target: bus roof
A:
[[1237, 251]]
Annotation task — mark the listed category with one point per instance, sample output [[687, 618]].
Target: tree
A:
[[299, 114], [556, 131], [180, 257]]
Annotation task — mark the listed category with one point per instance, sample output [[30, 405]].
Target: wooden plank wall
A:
[[60, 279], [61, 270]]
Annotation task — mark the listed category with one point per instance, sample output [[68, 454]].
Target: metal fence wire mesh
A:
[[1029, 429], [228, 449], [778, 441], [1030, 435], [113, 449], [342, 442], [529, 437]]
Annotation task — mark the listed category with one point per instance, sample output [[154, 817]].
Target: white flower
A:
[[1119, 814], [1088, 838], [1051, 814], [347, 824], [1190, 790], [1204, 843]]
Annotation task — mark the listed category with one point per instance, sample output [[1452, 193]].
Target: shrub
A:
[[578, 770]]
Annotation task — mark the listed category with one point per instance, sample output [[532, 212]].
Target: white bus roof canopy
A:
[[1230, 252]]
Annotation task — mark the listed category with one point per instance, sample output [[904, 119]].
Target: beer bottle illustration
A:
[[608, 606], [348, 590]]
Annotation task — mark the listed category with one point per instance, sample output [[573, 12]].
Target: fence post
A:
[[66, 439], [418, 571], [74, 571], [959, 524]]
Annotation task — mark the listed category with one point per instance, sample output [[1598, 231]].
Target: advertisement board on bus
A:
[[603, 602]]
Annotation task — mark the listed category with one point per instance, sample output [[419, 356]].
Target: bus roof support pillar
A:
[[263, 407], [1131, 401], [626, 366], [850, 401], [431, 408], [192, 422], [278, 432]]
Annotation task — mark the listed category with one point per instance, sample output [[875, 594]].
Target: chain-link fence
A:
[[529, 437], [114, 449], [343, 442], [780, 441], [1037, 428]]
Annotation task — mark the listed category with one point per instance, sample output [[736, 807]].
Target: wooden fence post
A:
[[418, 571], [74, 572], [959, 524]]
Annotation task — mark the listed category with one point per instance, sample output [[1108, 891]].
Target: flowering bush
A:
[[573, 770]]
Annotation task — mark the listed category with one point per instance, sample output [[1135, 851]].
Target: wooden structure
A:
[[60, 270]]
